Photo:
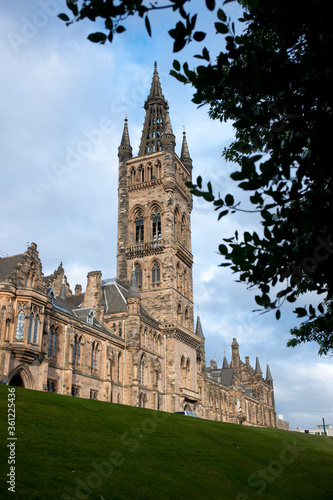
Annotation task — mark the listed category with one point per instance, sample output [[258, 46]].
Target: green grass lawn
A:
[[70, 448]]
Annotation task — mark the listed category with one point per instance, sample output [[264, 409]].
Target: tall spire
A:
[[125, 140], [198, 329], [125, 148], [155, 123], [268, 374], [155, 89], [258, 369], [185, 155]]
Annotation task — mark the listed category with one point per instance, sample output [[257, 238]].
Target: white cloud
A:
[[56, 89]]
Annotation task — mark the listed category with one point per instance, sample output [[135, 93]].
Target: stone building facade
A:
[[132, 339]]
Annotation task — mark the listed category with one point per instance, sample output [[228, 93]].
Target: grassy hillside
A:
[[70, 448]]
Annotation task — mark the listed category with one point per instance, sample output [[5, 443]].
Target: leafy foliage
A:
[[274, 82]]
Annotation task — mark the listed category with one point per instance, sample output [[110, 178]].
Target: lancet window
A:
[[139, 228]]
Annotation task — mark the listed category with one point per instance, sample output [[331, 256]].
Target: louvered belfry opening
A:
[[156, 108]]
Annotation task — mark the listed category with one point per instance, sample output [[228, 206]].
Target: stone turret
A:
[[133, 309], [124, 154]]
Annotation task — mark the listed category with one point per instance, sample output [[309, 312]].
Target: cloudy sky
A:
[[63, 103]]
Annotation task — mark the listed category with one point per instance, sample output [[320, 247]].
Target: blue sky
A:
[[63, 105]]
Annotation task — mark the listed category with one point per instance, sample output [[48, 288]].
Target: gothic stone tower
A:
[[154, 238], [154, 209]]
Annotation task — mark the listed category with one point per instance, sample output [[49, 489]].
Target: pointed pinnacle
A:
[[185, 152], [125, 140], [155, 89]]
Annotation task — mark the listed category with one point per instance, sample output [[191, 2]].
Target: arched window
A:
[[182, 371], [156, 227], [52, 346], [120, 331], [186, 283], [150, 169], [158, 169], [33, 326], [132, 176], [31, 321], [142, 400], [141, 172], [179, 314], [138, 274], [142, 369], [156, 273], [20, 325], [183, 235], [76, 350], [139, 228], [188, 374], [179, 278], [94, 351], [177, 225], [35, 338], [187, 318], [120, 374]]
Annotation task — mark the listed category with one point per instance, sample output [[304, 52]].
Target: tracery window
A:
[[139, 228], [33, 326], [156, 273], [76, 350], [20, 325]]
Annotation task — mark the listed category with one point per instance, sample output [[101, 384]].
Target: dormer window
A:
[[90, 317]]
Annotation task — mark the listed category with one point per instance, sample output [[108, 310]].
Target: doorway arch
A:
[[16, 381], [21, 377]]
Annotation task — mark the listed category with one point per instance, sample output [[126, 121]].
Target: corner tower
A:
[[154, 228]]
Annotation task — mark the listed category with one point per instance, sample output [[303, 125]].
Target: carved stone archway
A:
[[21, 377]]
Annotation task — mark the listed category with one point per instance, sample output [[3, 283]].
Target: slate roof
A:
[[115, 296], [75, 300], [81, 314], [223, 375], [8, 264]]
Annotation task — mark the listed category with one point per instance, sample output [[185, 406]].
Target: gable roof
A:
[[8, 264]]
